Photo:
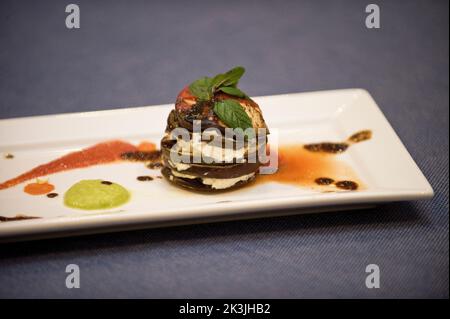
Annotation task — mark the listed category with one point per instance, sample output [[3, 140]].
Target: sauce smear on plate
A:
[[38, 188], [102, 153], [299, 166]]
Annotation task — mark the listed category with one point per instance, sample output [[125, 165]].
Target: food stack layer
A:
[[215, 161]]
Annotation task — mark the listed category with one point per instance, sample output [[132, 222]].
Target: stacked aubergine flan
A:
[[212, 160]]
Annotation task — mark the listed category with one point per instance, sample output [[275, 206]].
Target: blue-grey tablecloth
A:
[[130, 53]]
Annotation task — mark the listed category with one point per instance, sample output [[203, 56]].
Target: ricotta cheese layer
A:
[[216, 183]]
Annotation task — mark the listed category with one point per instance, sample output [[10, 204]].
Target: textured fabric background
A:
[[130, 53]]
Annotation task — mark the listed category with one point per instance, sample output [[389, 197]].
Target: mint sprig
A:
[[205, 87], [230, 78], [232, 91], [229, 111]]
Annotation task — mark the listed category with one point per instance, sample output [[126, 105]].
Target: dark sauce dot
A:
[[106, 183], [9, 156], [141, 156], [349, 185], [327, 147], [324, 181], [144, 178], [155, 165], [52, 195], [360, 136], [17, 217]]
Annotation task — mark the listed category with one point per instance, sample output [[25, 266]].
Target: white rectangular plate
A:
[[382, 163]]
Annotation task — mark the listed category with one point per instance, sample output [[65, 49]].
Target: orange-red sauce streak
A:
[[102, 153]]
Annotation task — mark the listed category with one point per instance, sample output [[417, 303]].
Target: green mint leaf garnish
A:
[[232, 114], [230, 78], [202, 88], [205, 87], [232, 91]]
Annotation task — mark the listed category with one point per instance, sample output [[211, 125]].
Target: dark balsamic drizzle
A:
[[52, 195], [348, 185], [360, 136], [327, 147], [324, 181], [155, 165], [106, 183], [336, 148], [9, 156], [144, 178], [139, 156], [17, 217]]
